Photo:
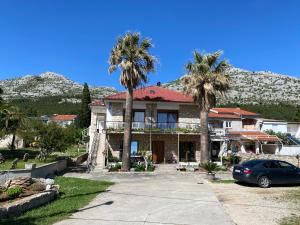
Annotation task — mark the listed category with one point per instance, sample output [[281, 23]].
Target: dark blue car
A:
[[266, 172]]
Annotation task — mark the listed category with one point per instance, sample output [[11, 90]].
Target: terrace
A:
[[142, 127]]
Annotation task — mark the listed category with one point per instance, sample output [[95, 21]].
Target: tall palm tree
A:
[[204, 80], [131, 55], [11, 122]]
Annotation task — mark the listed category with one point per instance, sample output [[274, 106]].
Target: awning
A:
[[254, 135]]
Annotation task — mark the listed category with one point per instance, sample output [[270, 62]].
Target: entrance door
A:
[[158, 151]]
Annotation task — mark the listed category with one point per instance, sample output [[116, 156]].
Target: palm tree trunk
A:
[[12, 145], [127, 131], [204, 136]]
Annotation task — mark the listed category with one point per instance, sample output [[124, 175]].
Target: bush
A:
[[14, 192], [139, 167], [232, 160], [38, 186], [151, 168], [114, 168], [210, 167]]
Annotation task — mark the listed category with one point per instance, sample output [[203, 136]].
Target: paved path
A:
[[152, 199]]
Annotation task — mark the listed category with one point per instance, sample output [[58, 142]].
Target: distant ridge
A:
[[261, 87]]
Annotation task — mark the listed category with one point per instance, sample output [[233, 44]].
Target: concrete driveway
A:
[[152, 199]]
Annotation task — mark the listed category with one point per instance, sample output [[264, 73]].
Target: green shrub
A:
[[150, 168], [139, 168], [210, 166], [14, 192], [38, 186], [114, 168]]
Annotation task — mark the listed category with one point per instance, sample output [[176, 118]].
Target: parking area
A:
[[251, 205]]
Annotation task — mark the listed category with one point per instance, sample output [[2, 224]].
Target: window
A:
[[138, 116], [134, 147], [228, 124], [285, 165], [271, 165], [167, 119]]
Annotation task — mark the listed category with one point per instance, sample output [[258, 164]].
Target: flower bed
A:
[[24, 193]]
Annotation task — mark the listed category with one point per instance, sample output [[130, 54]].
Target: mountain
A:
[[48, 84], [261, 87]]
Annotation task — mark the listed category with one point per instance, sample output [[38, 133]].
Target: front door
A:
[[158, 151]]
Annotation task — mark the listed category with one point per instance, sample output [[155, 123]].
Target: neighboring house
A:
[[293, 128], [63, 120], [274, 125], [166, 125]]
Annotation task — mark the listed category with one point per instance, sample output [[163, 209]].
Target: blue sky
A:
[[74, 37]]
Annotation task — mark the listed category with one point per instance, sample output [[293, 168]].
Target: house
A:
[[293, 128], [274, 125], [166, 125], [63, 120]]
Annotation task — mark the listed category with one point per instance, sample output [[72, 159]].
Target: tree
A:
[[204, 80], [85, 111], [131, 55], [51, 138], [11, 120]]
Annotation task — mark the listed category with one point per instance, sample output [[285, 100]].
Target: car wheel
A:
[[264, 182]]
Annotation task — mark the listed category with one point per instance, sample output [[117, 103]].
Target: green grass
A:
[[223, 181], [10, 155], [75, 194], [294, 197]]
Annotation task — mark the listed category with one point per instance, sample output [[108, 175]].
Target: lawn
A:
[[75, 194], [293, 196], [10, 155]]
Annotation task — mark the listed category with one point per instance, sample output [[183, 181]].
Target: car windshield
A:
[[251, 163]]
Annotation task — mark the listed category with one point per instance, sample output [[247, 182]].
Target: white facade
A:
[[276, 126], [294, 129]]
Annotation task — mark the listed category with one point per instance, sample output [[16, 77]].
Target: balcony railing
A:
[[118, 127]]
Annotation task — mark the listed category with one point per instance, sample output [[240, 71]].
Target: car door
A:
[[273, 171], [290, 172]]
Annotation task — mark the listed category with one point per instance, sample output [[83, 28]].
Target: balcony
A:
[[142, 127]]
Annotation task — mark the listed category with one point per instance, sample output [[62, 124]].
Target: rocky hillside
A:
[[48, 84], [249, 87]]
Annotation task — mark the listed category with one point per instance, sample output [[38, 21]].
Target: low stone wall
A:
[[18, 207], [290, 150], [81, 159], [38, 172], [291, 159]]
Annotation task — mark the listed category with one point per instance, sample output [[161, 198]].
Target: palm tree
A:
[[11, 122], [131, 55], [204, 80]]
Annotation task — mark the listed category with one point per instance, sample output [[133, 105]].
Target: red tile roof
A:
[[64, 117], [223, 116], [154, 93], [254, 135], [236, 111]]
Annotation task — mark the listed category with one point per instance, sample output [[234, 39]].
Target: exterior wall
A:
[[189, 114], [290, 150], [235, 125], [115, 111], [170, 143], [186, 113], [97, 115], [38, 172], [275, 126]]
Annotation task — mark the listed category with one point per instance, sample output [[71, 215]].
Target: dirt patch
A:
[[251, 205]]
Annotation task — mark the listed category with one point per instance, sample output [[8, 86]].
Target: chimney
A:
[[158, 84]]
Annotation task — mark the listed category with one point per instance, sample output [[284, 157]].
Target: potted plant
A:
[[210, 167]]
